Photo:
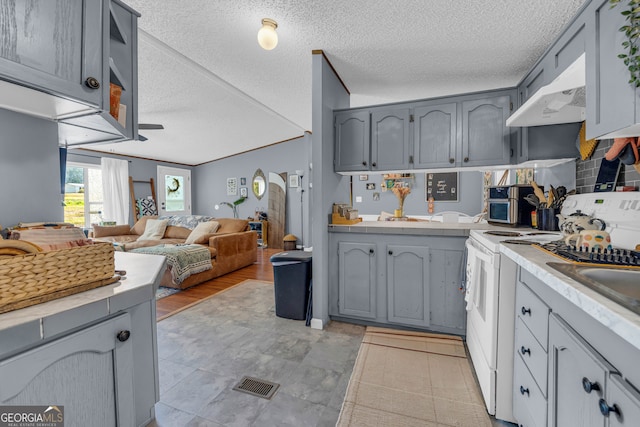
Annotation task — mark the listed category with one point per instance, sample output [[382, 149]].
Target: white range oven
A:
[[490, 299]]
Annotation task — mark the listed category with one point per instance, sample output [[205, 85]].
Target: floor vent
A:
[[257, 387]]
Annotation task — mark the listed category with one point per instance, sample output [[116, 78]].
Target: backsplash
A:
[[587, 170]]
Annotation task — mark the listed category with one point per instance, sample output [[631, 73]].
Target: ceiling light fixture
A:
[[267, 36]]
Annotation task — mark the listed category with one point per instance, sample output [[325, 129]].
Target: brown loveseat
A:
[[232, 246]]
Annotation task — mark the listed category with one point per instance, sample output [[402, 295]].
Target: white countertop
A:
[[618, 319], [143, 275]]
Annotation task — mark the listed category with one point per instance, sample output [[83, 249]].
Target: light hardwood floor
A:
[[261, 270]]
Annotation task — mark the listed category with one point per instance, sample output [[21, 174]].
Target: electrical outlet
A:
[[358, 199]]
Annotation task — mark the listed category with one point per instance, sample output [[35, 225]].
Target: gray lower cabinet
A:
[[390, 139], [435, 135], [408, 285], [612, 103], [391, 279], [54, 46], [357, 284], [89, 372], [625, 401], [486, 140], [352, 141]]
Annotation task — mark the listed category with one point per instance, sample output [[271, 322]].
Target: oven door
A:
[[501, 211], [482, 316]]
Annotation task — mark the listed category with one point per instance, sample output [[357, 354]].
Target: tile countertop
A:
[[618, 319], [426, 228], [143, 276]]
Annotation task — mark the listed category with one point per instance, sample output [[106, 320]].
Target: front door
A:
[[174, 191]]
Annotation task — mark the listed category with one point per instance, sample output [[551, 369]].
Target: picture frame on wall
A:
[[244, 192], [441, 187], [232, 186], [293, 181], [364, 177], [243, 181]]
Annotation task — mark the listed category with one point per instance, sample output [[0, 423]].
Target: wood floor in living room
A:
[[261, 270]]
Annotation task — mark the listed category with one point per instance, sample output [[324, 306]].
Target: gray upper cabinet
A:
[[390, 139], [408, 285], [486, 140], [611, 100], [352, 141], [357, 285], [435, 135], [55, 47]]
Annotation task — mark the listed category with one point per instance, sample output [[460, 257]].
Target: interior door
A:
[[174, 192]]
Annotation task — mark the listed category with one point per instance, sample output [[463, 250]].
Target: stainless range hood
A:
[[561, 101]]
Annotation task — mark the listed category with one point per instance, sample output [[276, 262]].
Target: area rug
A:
[[405, 378], [162, 292]]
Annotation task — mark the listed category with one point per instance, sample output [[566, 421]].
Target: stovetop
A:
[[616, 256]]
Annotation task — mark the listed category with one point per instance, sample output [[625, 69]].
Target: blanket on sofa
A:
[[183, 260]]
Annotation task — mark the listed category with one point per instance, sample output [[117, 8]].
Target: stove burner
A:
[[503, 233], [597, 256]]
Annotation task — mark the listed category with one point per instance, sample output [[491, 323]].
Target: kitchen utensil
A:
[[561, 191], [551, 198], [539, 193], [533, 200], [590, 240]]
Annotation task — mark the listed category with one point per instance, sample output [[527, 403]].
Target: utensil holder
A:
[[547, 219]]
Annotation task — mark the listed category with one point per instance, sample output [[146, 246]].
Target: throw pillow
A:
[[202, 229], [147, 207], [141, 224], [154, 229]]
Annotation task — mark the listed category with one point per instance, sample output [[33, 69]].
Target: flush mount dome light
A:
[[267, 36]]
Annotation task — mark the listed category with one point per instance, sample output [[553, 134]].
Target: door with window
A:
[[83, 200], [174, 191]]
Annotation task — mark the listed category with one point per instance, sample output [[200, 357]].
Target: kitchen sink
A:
[[621, 285]]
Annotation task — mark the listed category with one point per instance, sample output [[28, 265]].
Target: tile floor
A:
[[205, 350]]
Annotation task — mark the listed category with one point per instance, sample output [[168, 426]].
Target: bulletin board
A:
[[443, 187]]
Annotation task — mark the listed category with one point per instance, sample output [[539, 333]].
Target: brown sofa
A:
[[232, 246]]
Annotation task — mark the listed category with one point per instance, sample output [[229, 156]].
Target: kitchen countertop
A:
[[618, 319], [426, 228], [43, 320]]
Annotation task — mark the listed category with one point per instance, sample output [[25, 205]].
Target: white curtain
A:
[[115, 188]]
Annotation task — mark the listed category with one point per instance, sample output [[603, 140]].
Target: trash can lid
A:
[[302, 256]]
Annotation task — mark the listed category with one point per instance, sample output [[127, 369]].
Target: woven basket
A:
[[35, 278]]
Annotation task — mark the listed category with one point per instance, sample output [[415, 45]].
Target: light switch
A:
[[358, 199]]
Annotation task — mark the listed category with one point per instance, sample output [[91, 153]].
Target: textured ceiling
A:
[[204, 77]]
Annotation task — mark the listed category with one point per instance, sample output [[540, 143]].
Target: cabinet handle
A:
[[605, 409], [410, 160], [92, 83], [524, 390], [524, 351], [511, 153], [466, 159], [123, 335], [374, 164], [452, 160], [525, 311], [390, 252], [589, 386]]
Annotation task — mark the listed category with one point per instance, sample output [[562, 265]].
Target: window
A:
[[83, 194]]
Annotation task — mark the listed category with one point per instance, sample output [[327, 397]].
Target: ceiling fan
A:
[[148, 126]]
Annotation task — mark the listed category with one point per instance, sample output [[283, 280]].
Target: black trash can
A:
[[291, 281]]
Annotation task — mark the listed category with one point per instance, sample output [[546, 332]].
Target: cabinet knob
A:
[[390, 252], [364, 163], [371, 251], [589, 386], [524, 390], [374, 164], [466, 159], [452, 160], [123, 335], [525, 311], [605, 409], [92, 83], [524, 350]]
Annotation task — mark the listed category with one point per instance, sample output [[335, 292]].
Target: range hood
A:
[[561, 101]]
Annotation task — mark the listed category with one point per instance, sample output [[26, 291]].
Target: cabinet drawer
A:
[[529, 404], [532, 354], [533, 312]]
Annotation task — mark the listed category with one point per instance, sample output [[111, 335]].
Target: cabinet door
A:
[[486, 140], [611, 100], [408, 285], [434, 136], [390, 139], [577, 378], [353, 142], [89, 373], [625, 399], [357, 279], [54, 46]]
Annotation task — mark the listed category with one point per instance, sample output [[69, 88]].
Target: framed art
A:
[[243, 181], [443, 187], [293, 181], [244, 192], [232, 186], [371, 186], [364, 177]]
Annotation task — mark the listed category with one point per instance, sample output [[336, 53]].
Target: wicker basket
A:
[[35, 278]]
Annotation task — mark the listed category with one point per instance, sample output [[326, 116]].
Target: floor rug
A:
[[165, 292], [405, 378]]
